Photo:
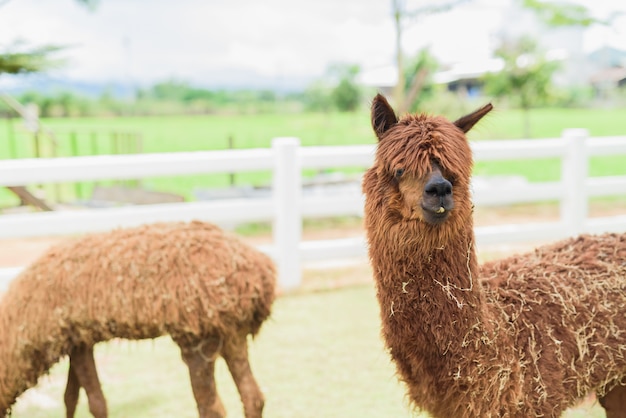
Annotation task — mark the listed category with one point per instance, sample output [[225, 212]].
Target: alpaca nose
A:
[[438, 187]]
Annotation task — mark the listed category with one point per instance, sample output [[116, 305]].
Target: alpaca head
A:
[[422, 169]]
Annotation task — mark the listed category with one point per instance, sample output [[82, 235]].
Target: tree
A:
[[558, 14], [526, 77], [402, 17], [337, 89], [36, 59], [174, 90], [418, 79], [90, 4], [346, 95], [317, 96], [26, 60]]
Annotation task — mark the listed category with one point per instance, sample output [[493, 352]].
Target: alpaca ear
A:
[[383, 116], [468, 121]]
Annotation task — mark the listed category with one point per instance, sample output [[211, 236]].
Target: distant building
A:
[[609, 66], [603, 69], [465, 78], [608, 79]]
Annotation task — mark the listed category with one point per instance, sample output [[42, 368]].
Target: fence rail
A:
[[287, 206]]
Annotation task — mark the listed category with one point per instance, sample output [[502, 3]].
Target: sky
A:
[[213, 42]]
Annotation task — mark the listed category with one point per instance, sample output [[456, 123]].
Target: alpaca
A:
[[205, 288], [529, 338]]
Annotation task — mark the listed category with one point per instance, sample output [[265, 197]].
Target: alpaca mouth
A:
[[435, 216]]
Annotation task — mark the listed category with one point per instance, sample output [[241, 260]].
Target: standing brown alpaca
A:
[[536, 334], [205, 288]]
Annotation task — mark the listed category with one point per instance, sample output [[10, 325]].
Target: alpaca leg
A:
[[84, 366], [71, 392], [200, 360], [614, 402], [235, 352]]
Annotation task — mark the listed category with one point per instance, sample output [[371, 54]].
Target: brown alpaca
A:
[[205, 288], [533, 336]]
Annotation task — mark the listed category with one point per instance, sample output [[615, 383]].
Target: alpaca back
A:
[[183, 279], [566, 305]]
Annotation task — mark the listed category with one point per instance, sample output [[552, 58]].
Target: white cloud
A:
[[157, 39]]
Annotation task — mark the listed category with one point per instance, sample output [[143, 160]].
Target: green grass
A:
[[320, 355], [550, 122], [188, 133]]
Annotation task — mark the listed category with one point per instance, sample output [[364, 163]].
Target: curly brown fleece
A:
[[529, 338], [188, 280]]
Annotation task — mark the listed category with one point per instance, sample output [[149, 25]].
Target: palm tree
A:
[[20, 60]]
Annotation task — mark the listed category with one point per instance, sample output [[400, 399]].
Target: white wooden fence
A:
[[287, 207]]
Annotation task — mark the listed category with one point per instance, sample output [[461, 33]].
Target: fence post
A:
[[287, 228], [574, 171]]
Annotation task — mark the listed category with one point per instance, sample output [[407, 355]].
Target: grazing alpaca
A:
[[534, 335], [205, 288]]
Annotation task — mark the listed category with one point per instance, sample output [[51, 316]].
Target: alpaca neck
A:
[[426, 285]]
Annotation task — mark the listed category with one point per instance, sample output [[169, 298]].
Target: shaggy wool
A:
[[187, 280], [522, 337], [565, 306]]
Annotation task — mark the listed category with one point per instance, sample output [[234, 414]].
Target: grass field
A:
[[189, 133], [320, 355]]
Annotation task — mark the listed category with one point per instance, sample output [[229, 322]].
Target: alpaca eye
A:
[[399, 172]]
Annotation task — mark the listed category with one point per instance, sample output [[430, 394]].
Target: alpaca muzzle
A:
[[437, 199]]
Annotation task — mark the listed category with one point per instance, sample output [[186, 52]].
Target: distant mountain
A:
[[47, 85], [224, 80]]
